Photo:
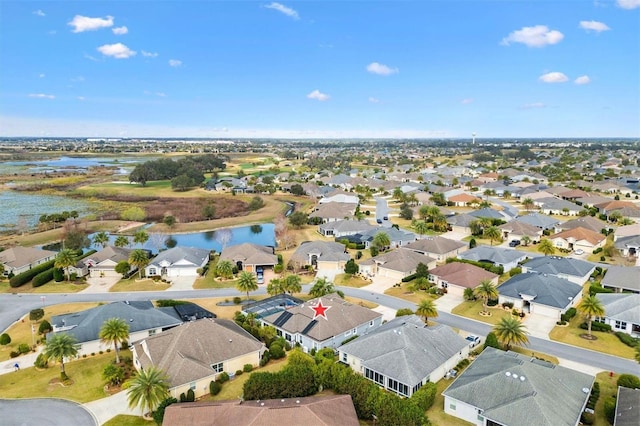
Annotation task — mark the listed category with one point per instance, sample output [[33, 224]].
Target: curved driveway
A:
[[44, 412]]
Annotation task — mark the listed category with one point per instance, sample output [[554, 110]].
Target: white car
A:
[[473, 340], [579, 252]]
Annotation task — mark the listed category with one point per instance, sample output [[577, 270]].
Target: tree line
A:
[[183, 173]]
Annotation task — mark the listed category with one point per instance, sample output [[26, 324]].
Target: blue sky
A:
[[223, 69]]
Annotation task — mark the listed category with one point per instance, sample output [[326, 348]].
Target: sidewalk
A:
[[24, 361], [107, 408]]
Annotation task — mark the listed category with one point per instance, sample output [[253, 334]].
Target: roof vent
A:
[[262, 404], [522, 379], [508, 374], [297, 401], [515, 376], [282, 400], [130, 319], [586, 390]]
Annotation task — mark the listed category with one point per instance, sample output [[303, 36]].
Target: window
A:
[[370, 323], [344, 357], [218, 368], [452, 406], [152, 271], [152, 332], [192, 386], [416, 387], [287, 337], [398, 387], [374, 377], [480, 418], [348, 333], [622, 325], [354, 331]]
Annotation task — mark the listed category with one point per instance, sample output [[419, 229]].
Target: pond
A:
[[211, 240], [69, 163]]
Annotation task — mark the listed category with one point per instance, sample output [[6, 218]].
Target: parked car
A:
[[514, 243], [473, 340], [386, 218], [260, 275], [579, 252], [379, 221]]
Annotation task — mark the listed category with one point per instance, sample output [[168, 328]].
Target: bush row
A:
[[25, 277], [596, 326], [43, 277], [567, 316], [627, 339], [496, 269]]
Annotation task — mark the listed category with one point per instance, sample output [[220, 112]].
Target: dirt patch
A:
[[585, 336], [56, 381]]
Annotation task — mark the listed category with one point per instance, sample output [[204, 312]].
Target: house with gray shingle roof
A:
[[622, 312], [540, 294], [516, 230], [395, 264], [20, 259], [341, 228], [343, 320], [556, 206], [332, 211], [575, 270], [437, 247], [538, 220], [461, 223], [507, 258], [628, 246], [622, 278], [506, 388], [322, 255], [102, 263], [627, 407], [178, 262], [142, 317], [587, 222], [490, 214], [397, 237], [403, 354], [195, 353], [249, 256]]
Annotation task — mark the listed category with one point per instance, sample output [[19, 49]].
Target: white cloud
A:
[[84, 23], [78, 79], [536, 36], [533, 105], [117, 50], [120, 30], [283, 9], [381, 69], [467, 101], [41, 96], [594, 26], [175, 63], [316, 94], [149, 54], [374, 100], [159, 94], [628, 4], [41, 75], [80, 98], [553, 77], [583, 79], [39, 13]]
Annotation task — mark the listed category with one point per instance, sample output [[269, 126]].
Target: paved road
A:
[[382, 211], [44, 411]]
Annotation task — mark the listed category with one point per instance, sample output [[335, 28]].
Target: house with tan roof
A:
[[587, 222], [21, 259], [458, 276], [342, 320], [321, 255], [331, 410], [437, 247], [196, 353], [395, 264], [516, 230], [102, 263], [463, 199], [578, 238], [333, 211], [249, 256]]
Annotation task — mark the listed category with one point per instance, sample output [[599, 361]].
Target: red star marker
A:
[[320, 310]]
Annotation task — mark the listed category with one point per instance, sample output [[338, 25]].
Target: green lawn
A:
[[608, 387], [472, 310], [132, 284], [404, 292], [50, 287], [605, 342], [436, 413], [124, 420], [349, 280], [86, 374]]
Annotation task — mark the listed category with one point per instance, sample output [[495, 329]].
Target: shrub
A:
[[629, 381], [567, 316], [602, 258], [239, 372], [27, 276], [44, 327], [596, 326], [113, 374], [183, 397], [5, 339], [403, 311], [610, 409], [344, 342], [223, 377], [507, 305], [14, 354], [191, 396], [58, 274], [266, 357], [158, 415], [492, 341], [598, 250], [515, 271], [237, 300], [41, 361], [627, 339], [23, 348], [409, 278], [462, 364], [164, 303], [472, 243], [36, 314], [587, 418], [247, 368], [43, 278], [425, 396], [276, 351], [214, 388]]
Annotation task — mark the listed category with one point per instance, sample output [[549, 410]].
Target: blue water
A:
[[79, 162], [32, 206], [211, 240]]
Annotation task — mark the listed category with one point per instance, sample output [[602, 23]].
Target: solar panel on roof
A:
[[309, 326], [279, 322]]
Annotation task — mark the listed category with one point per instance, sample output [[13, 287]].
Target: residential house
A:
[[627, 231], [461, 223], [271, 305], [341, 228], [540, 294], [578, 238], [331, 212], [437, 247], [627, 407], [586, 222], [463, 199], [489, 213], [341, 320], [142, 317], [331, 410], [621, 312], [102, 263], [575, 270], [506, 258], [538, 220], [178, 262], [506, 388], [556, 206], [196, 353], [458, 276], [322, 255], [21, 259], [622, 278], [395, 264], [340, 197], [628, 246], [404, 354], [249, 257], [517, 230], [397, 237]]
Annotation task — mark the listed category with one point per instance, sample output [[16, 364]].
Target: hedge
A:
[[596, 326], [567, 316], [627, 339], [25, 277], [496, 269], [629, 381], [409, 278], [43, 277]]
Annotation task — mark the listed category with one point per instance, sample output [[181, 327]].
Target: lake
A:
[[211, 240], [32, 206]]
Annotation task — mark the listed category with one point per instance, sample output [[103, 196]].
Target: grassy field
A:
[[124, 420], [50, 287], [605, 342], [20, 332], [133, 284], [608, 387], [86, 374], [404, 292], [472, 310], [348, 280]]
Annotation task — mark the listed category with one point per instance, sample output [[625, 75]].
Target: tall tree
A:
[[590, 307], [427, 309], [292, 284], [224, 268], [486, 290], [421, 227], [526, 240], [101, 238], [247, 282], [381, 240], [65, 259], [528, 204], [275, 286], [121, 241], [140, 237], [492, 233], [60, 346], [115, 331], [139, 258], [147, 389], [509, 330], [546, 247], [322, 287]]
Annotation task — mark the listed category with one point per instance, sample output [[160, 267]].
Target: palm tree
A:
[[116, 331], [381, 240], [140, 237], [427, 309], [292, 284], [492, 233], [247, 282], [101, 238], [147, 389], [528, 203], [60, 346], [421, 227], [590, 307], [432, 211], [546, 247], [486, 290], [322, 287], [469, 294], [121, 241], [398, 194], [526, 240], [139, 258], [275, 286], [439, 223], [509, 330], [224, 268], [65, 259]]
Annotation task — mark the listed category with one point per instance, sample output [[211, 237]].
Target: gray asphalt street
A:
[[44, 412]]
